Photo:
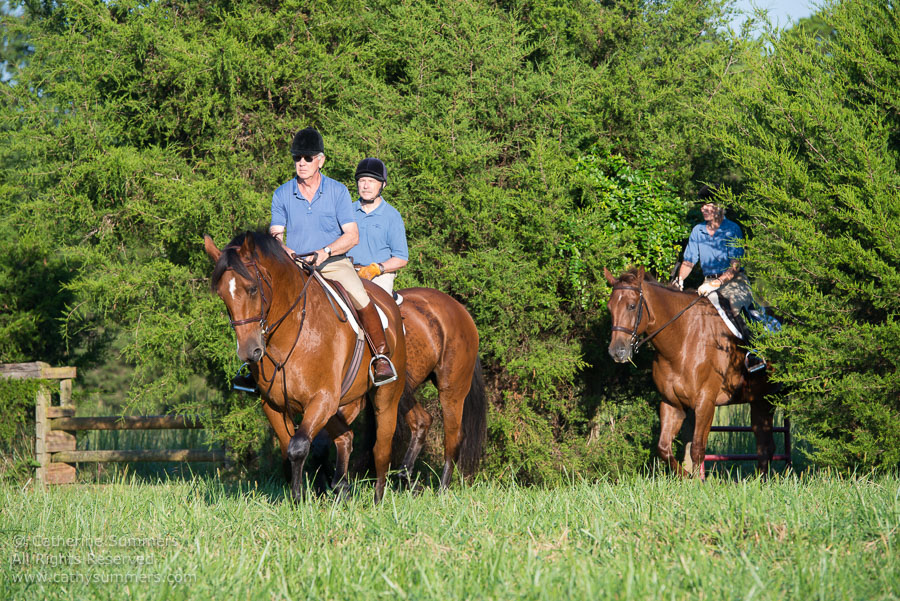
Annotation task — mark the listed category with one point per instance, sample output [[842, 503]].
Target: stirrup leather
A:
[[372, 370]]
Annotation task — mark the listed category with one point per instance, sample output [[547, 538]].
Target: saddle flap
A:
[[714, 299]]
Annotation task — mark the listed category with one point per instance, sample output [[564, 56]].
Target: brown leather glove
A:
[[370, 271]]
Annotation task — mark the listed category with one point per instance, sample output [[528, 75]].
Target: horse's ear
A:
[[609, 277], [211, 248], [640, 274], [248, 246]]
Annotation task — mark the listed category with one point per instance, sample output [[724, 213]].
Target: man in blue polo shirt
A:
[[312, 215], [382, 249], [715, 244]]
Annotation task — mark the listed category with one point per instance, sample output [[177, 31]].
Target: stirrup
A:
[[372, 370], [755, 368], [239, 379]]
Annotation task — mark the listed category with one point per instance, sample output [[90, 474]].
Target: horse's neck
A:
[[663, 305]]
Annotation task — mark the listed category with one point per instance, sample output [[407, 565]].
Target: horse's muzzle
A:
[[251, 350], [620, 351]]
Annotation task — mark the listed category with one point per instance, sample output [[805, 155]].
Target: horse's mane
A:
[[265, 245], [631, 277]]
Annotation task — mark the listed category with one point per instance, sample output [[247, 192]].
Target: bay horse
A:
[[698, 363], [299, 347], [442, 346]]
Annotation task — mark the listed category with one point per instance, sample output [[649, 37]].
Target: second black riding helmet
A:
[[373, 168]]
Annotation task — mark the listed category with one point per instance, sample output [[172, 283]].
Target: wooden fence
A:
[[55, 443]]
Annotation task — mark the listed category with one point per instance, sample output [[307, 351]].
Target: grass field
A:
[[652, 537]]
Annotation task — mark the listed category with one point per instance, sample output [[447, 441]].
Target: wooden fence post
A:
[[41, 428]]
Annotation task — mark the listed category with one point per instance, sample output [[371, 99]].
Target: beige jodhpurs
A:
[[342, 271], [385, 281]]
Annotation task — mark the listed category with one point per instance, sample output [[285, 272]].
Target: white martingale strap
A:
[[346, 310], [714, 299]]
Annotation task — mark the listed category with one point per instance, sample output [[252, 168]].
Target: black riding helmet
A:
[[307, 142], [373, 168]]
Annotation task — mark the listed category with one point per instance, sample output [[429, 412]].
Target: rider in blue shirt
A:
[[382, 249], [716, 245]]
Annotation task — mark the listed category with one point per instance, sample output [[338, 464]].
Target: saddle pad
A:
[[347, 313], [714, 299]]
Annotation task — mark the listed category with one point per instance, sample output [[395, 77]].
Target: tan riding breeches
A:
[[737, 291], [385, 281], [342, 271]]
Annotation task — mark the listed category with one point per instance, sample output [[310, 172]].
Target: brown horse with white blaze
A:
[[299, 347], [698, 364]]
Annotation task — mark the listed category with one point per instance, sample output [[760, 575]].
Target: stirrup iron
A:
[[372, 370], [755, 368], [243, 376]]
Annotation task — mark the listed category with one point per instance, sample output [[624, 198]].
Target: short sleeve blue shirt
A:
[[311, 225], [382, 234], [714, 253]]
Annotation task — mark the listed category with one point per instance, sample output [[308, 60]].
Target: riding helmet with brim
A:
[[307, 142], [372, 167]]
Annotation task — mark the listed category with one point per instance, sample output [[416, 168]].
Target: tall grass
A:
[[800, 537]]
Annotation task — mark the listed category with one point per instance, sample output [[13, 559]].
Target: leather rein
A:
[[635, 344]]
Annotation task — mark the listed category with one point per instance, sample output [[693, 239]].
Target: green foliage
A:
[[136, 127], [814, 130], [642, 211], [17, 399]]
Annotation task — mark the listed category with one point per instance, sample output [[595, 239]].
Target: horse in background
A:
[[698, 363], [299, 346], [442, 346]]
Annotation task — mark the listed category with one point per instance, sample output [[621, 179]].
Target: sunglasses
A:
[[304, 157]]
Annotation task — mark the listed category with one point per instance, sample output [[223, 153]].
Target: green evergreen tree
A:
[[815, 134]]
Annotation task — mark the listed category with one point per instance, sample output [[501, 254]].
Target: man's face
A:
[[308, 165], [369, 188], [710, 211]]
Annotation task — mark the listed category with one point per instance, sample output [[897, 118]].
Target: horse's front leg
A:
[[386, 400], [419, 422], [338, 428], [670, 419], [284, 429], [315, 416], [704, 413]]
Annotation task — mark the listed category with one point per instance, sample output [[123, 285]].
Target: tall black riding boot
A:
[[752, 361], [384, 371]]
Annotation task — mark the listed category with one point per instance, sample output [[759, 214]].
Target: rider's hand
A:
[[370, 271], [321, 257], [678, 283], [708, 287]]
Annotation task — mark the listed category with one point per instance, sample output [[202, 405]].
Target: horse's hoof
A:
[[341, 490]]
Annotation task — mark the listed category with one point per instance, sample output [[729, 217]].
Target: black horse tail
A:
[[474, 424]]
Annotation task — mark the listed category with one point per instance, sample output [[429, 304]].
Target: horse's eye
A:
[[632, 307], [252, 290]]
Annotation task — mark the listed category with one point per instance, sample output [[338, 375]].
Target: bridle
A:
[[269, 329], [637, 322], [635, 344]]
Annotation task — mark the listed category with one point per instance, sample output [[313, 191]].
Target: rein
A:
[[635, 344]]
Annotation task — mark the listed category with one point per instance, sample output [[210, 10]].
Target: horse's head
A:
[[245, 286], [627, 306]]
